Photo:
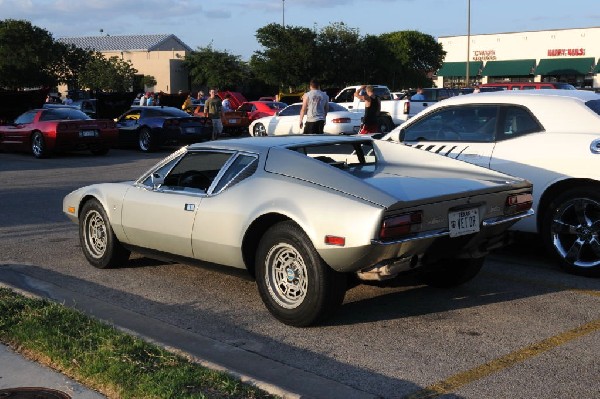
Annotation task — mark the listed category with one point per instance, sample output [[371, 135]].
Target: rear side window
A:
[[518, 121], [594, 105], [57, 114]]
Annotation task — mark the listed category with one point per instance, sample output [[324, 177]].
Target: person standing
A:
[[227, 103], [372, 108], [212, 110], [418, 96], [315, 105]]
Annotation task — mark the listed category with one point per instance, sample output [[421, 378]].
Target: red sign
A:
[[561, 52]]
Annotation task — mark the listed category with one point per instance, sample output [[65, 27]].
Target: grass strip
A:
[[103, 358]]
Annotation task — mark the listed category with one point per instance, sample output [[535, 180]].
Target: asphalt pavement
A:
[[267, 374]]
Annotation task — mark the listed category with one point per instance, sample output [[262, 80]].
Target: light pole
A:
[[468, 41], [283, 13]]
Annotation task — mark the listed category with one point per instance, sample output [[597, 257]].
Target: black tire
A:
[[145, 140], [98, 242], [259, 130], [571, 230], [452, 272], [386, 124], [303, 290], [38, 145]]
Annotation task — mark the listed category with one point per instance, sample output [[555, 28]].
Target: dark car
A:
[[150, 127], [57, 128]]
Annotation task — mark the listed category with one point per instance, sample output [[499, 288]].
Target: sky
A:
[[231, 25]]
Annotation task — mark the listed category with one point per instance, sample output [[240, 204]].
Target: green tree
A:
[[149, 81], [107, 74], [212, 68], [339, 59], [27, 56], [72, 61], [375, 61], [288, 56], [416, 55]]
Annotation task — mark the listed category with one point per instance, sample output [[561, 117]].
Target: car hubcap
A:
[[576, 232], [96, 234], [144, 140], [260, 130], [286, 276], [37, 144]]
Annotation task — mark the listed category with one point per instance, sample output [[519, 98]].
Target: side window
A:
[[346, 96], [243, 166], [518, 121], [475, 123], [132, 115], [196, 171], [291, 110]]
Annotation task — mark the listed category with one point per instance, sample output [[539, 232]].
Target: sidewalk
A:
[[18, 372]]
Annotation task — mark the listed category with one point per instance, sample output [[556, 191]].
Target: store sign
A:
[[562, 52], [484, 55]]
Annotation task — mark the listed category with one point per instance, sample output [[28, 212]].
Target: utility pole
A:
[[283, 13], [468, 41]]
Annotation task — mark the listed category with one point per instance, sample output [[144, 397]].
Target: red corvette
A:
[[60, 128]]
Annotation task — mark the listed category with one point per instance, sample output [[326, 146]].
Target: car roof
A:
[[503, 95]]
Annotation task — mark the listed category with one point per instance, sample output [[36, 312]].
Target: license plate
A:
[[463, 222], [88, 133], [190, 129], [234, 121]]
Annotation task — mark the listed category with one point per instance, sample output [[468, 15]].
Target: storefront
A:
[[566, 55]]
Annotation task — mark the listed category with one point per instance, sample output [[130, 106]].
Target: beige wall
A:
[[576, 43]]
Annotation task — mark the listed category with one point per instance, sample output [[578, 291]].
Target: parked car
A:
[[322, 208], [237, 122], [148, 128], [550, 137], [57, 128], [287, 121]]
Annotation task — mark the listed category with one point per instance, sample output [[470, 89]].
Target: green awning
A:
[[597, 70], [509, 68], [564, 66], [460, 68]]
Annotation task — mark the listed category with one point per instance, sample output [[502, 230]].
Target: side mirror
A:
[[157, 180]]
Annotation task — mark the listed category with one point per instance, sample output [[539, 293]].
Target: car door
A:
[[128, 125], [464, 132], [286, 121], [161, 216]]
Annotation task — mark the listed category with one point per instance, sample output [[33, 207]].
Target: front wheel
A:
[[98, 241], [571, 230], [295, 284], [259, 130], [452, 272], [38, 145]]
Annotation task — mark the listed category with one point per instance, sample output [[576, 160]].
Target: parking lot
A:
[[521, 329]]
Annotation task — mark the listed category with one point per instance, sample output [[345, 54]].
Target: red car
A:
[[239, 120], [59, 128]]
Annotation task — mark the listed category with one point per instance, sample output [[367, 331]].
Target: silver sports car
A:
[[303, 213]]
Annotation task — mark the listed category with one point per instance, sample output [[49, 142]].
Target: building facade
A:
[[562, 55], [160, 56]]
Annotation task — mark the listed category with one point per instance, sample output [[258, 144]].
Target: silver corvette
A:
[[303, 213]]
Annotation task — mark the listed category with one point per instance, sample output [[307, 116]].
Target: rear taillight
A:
[[407, 107], [517, 203], [171, 122], [341, 120], [401, 225]]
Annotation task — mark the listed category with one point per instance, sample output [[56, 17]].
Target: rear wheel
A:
[[145, 140], [571, 230], [259, 130], [452, 272], [295, 284], [98, 241], [38, 145]]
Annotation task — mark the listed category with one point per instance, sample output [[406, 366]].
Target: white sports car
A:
[[550, 137], [301, 213], [287, 121]]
